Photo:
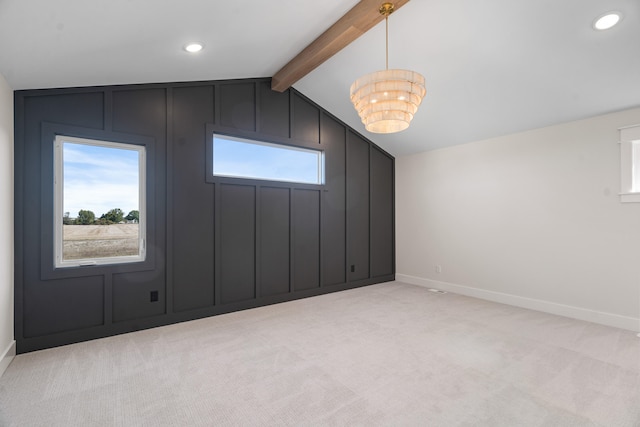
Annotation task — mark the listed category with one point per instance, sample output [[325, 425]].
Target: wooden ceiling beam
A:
[[360, 19]]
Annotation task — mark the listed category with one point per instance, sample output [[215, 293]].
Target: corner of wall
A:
[[7, 356], [7, 338]]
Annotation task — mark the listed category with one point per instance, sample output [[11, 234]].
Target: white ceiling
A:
[[493, 67]]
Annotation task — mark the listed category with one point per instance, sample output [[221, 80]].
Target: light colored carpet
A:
[[391, 354]]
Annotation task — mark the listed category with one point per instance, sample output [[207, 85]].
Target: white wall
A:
[[530, 219], [7, 343]]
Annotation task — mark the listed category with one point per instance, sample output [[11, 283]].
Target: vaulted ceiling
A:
[[492, 67]]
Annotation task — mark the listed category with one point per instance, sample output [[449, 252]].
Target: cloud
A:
[[99, 179]]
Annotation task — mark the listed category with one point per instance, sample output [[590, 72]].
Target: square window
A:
[[99, 201]]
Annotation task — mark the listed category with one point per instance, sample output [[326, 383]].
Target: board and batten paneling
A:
[[358, 208], [236, 261], [214, 244], [275, 241], [334, 267], [382, 254], [306, 239], [193, 202]]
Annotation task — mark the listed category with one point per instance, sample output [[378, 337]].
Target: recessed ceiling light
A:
[[606, 21], [193, 47]]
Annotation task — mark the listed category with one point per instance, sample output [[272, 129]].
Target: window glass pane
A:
[[99, 199], [240, 158]]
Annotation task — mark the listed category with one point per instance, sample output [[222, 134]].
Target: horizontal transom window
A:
[[243, 158]]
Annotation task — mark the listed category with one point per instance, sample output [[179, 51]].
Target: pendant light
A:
[[387, 100]]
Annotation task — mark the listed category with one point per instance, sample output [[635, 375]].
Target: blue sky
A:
[[99, 179], [103, 178], [235, 158]]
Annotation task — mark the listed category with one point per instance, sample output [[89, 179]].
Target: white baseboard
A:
[[7, 356], [608, 319]]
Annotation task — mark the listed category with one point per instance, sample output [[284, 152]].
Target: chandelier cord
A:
[[386, 21]]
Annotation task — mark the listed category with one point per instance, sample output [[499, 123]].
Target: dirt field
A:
[[99, 241]]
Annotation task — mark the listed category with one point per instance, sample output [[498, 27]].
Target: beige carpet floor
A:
[[385, 355]]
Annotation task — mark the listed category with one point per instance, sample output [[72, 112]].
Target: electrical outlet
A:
[[438, 268]]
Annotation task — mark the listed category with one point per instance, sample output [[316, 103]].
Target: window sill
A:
[[630, 197]]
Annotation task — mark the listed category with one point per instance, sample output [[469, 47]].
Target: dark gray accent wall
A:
[[215, 244], [275, 241], [358, 197]]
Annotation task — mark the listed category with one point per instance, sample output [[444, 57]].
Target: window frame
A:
[[58, 199], [630, 164], [213, 177]]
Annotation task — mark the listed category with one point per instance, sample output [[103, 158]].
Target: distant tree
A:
[[85, 217], [114, 216], [66, 220], [133, 216]]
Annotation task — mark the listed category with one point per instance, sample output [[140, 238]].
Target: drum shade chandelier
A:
[[387, 100]]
